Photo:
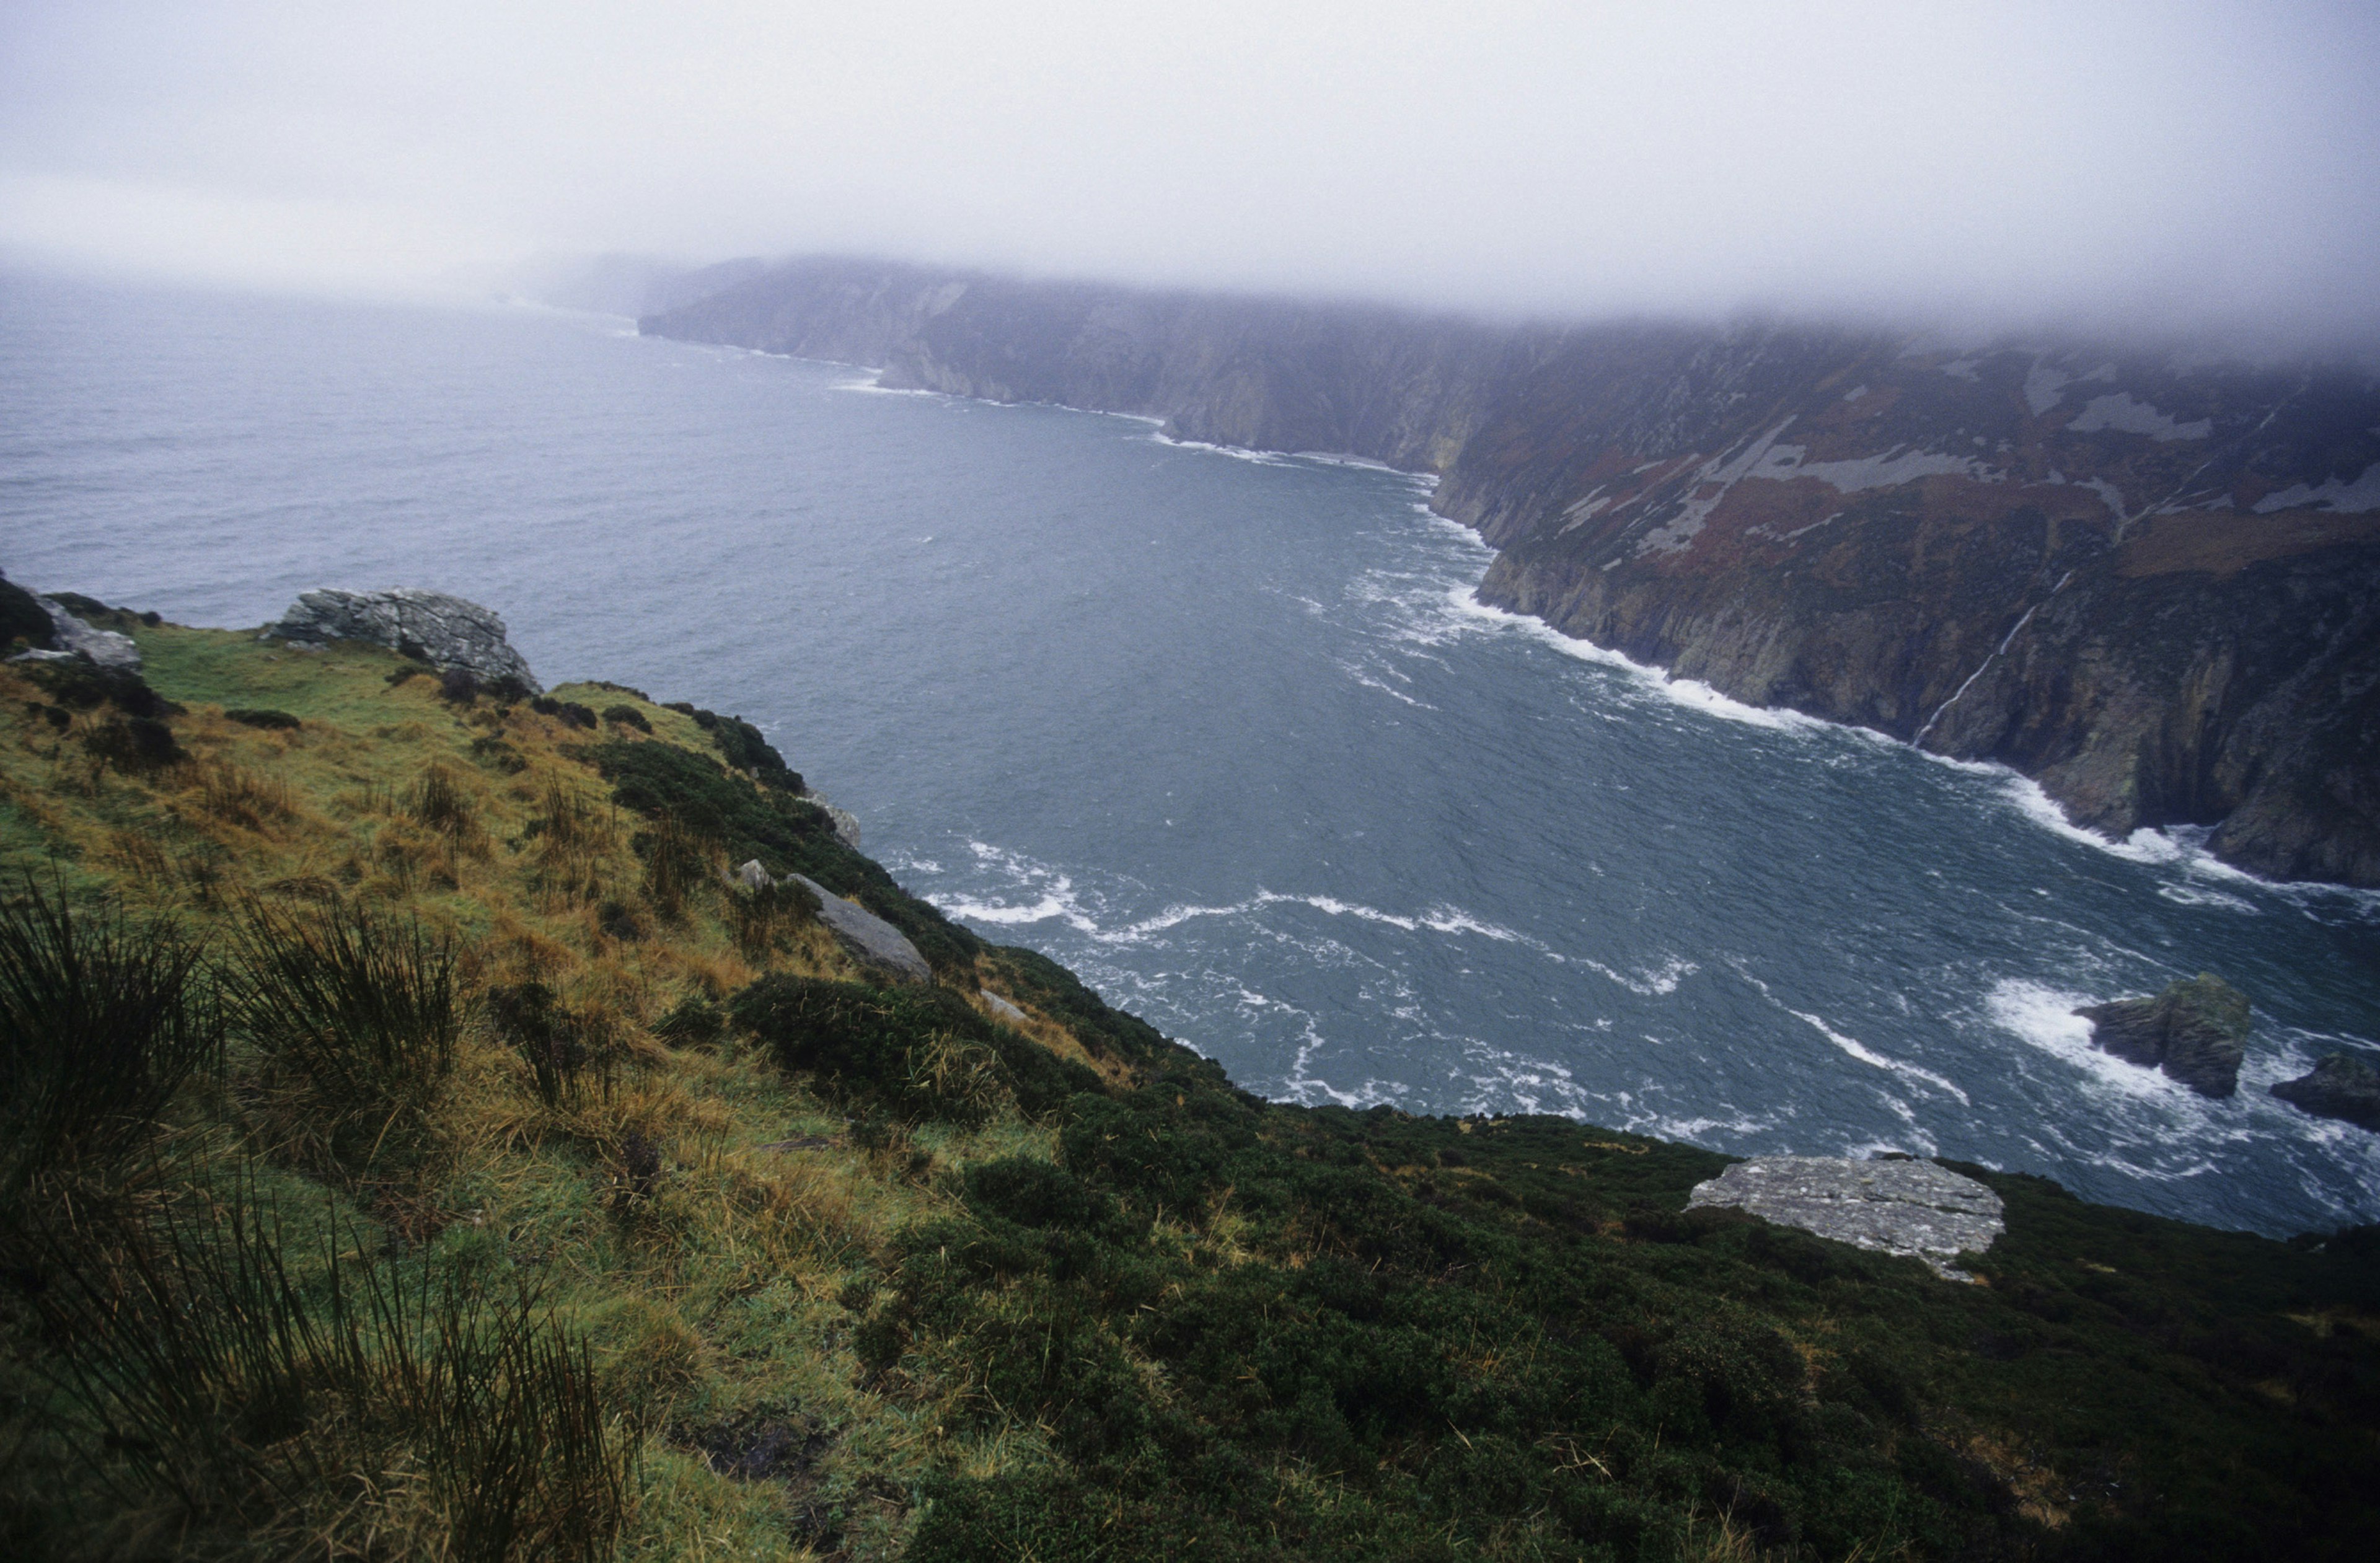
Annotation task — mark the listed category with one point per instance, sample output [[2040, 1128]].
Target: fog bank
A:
[[2188, 168]]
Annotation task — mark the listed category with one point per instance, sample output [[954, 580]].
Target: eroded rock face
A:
[[447, 632], [2196, 1031], [2341, 1086], [1906, 1207]]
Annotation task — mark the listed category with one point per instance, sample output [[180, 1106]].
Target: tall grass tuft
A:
[[102, 1021], [563, 1051], [677, 859], [365, 1414], [353, 1015]]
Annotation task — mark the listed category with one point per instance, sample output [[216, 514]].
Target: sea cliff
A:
[[2150, 582]]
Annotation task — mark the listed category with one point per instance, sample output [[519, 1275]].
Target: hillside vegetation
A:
[[415, 1146]]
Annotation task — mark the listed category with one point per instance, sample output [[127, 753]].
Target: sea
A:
[[1224, 731]]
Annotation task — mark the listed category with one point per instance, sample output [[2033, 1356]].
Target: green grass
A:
[[862, 1273]]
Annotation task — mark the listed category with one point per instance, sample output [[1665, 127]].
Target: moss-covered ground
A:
[[869, 1273]]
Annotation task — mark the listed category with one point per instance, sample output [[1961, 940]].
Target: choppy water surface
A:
[[1226, 734]]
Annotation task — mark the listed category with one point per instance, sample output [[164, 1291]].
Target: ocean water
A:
[[1226, 733]]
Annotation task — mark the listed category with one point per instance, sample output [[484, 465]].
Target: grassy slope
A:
[[1225, 1327]]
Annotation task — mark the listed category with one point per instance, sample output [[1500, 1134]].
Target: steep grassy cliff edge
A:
[[416, 1143], [2149, 582]]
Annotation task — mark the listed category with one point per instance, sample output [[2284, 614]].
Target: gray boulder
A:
[[1907, 1208], [847, 824], [447, 632], [1000, 1008], [2196, 1031], [870, 937], [2341, 1086], [70, 638]]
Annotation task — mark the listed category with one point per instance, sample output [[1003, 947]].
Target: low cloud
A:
[[2181, 168]]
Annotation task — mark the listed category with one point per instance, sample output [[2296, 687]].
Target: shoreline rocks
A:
[[1911, 1208], [2196, 1031], [2340, 1086], [447, 632]]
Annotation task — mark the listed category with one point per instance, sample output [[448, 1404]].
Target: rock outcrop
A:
[[2196, 1031], [2153, 585], [447, 632], [2340, 1086], [52, 633], [1907, 1208]]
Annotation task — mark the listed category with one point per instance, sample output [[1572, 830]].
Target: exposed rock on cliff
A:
[[2196, 1031], [447, 632], [870, 937], [2340, 1086], [2153, 585], [1908, 1207]]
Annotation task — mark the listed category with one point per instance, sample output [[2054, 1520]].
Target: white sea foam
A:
[[1874, 1059], [1686, 692]]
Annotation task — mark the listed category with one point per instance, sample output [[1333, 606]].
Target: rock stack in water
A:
[[2341, 1086], [2196, 1031]]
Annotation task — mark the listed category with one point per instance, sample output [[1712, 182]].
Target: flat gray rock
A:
[[447, 631], [1906, 1207], [870, 938], [1001, 1006], [105, 648]]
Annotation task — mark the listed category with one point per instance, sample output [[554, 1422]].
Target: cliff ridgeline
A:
[[2150, 583]]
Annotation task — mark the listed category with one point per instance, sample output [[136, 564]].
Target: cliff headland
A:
[[2152, 583]]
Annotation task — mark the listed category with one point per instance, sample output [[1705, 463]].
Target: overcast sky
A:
[[2204, 165]]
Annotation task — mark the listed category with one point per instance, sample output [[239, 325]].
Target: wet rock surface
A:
[[2196, 1031], [2340, 1086], [447, 632], [1906, 1207]]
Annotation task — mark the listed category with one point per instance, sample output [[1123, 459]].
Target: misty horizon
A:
[[2191, 175]]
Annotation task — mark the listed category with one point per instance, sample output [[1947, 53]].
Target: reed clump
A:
[[102, 1019], [240, 1396], [352, 1015]]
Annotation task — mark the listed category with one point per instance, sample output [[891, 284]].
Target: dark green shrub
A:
[[353, 1017], [694, 1021], [133, 744], [628, 716], [102, 1021], [920, 1052], [83, 686], [22, 618], [262, 717]]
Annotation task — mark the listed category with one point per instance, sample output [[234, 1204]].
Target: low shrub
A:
[[263, 717], [137, 742], [628, 716], [917, 1052]]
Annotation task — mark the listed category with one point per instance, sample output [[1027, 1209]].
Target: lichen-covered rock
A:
[[447, 632], [1906, 1207], [2196, 1031], [2341, 1086], [869, 937]]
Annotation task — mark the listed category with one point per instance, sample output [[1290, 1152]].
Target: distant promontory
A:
[[2150, 582]]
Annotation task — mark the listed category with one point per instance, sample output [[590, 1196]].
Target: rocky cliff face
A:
[[2152, 584]]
